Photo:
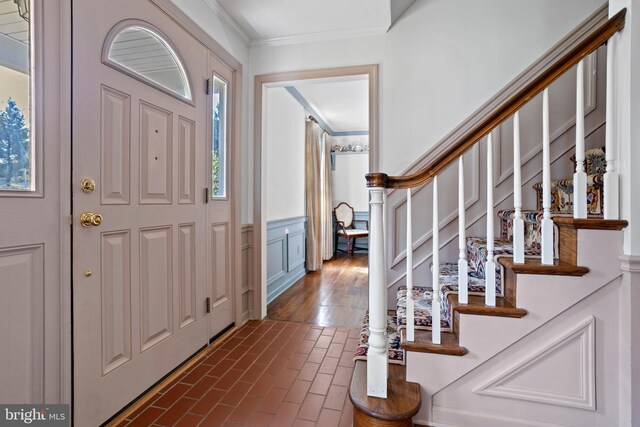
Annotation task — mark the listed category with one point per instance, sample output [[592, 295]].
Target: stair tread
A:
[[424, 344], [535, 266], [477, 306], [403, 398], [591, 223]]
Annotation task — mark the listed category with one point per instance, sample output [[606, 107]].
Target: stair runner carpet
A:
[[477, 253], [476, 258], [396, 354]]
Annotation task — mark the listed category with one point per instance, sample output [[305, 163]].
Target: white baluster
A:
[[410, 301], [580, 177], [463, 285], [435, 271], [611, 179], [377, 359], [547, 224], [490, 265], [518, 222]]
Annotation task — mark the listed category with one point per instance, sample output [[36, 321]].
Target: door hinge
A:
[[208, 86], [207, 304], [206, 195]]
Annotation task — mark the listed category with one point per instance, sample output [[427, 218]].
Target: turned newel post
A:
[[377, 368]]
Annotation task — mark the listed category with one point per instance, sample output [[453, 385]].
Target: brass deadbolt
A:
[[87, 185]]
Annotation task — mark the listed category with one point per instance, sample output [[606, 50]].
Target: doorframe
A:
[[259, 221]]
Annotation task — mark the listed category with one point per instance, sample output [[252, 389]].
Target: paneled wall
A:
[[248, 289], [562, 127], [285, 254]]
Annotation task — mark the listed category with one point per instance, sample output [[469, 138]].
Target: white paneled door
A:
[[219, 207], [147, 252], [33, 298]]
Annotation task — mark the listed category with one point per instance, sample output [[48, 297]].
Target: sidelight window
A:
[[219, 139], [16, 146]]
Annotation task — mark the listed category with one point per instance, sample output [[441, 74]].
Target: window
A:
[[219, 139], [16, 147], [144, 54]]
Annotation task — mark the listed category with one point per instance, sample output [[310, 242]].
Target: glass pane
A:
[[16, 151], [219, 143], [146, 54]]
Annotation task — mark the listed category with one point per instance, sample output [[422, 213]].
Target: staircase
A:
[[421, 358]]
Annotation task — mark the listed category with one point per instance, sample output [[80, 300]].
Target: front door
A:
[[140, 256]]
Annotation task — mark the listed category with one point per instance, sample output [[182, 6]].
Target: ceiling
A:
[[290, 21], [11, 24], [341, 104]]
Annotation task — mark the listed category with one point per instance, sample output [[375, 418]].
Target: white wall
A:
[[439, 63], [347, 180], [284, 149]]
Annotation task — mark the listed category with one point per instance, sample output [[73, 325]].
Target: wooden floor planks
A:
[[335, 296]]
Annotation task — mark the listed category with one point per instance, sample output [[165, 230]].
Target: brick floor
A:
[[268, 373]]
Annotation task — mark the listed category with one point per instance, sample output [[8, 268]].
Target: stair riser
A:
[[485, 336]]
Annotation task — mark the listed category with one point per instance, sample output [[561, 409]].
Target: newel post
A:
[[377, 362]]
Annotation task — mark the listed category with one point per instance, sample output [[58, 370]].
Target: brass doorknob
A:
[[90, 219]]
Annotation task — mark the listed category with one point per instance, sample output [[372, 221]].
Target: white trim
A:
[[66, 309], [228, 21], [630, 263], [261, 83], [319, 37]]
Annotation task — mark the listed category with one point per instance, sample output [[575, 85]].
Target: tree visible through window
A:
[[219, 139], [16, 148], [15, 166], [215, 160]]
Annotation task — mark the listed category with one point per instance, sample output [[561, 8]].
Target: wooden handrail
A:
[[505, 109]]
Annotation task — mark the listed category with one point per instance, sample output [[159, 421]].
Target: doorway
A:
[[280, 239], [155, 193]]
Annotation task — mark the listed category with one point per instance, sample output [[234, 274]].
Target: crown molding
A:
[[228, 21], [319, 37]]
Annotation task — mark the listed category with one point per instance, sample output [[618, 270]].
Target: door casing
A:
[[261, 83]]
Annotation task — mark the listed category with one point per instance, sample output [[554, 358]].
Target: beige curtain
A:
[[317, 197]]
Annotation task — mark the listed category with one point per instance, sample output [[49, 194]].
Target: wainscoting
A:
[[247, 272], [285, 254], [361, 243]]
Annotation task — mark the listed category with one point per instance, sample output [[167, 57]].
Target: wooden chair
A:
[[345, 228]]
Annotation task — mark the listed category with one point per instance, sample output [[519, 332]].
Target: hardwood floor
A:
[[336, 296]]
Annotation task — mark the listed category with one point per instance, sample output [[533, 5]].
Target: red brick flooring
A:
[[267, 373]]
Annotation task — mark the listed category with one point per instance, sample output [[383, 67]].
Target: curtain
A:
[[318, 197], [312, 195]]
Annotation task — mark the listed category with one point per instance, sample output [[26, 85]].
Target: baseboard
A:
[[292, 278]]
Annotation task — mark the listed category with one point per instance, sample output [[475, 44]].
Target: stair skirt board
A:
[[396, 354]]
